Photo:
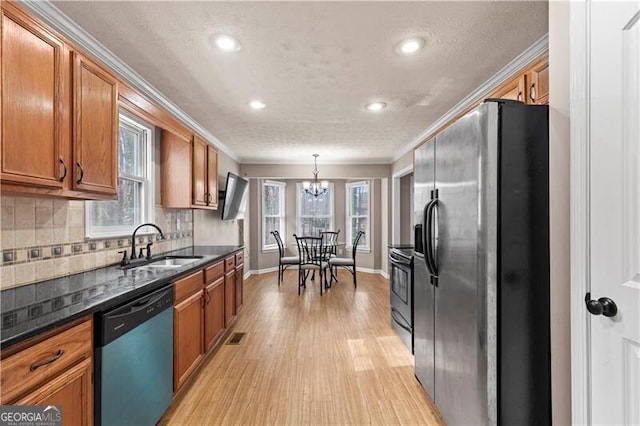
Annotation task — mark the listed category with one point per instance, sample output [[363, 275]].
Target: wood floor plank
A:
[[309, 360]]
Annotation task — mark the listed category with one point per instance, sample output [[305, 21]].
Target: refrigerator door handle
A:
[[429, 248], [425, 236]]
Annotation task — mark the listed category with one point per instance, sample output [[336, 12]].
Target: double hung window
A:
[[135, 192], [315, 214], [273, 212], [358, 216]]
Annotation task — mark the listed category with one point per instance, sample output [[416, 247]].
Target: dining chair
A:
[[283, 261], [346, 262], [313, 255], [331, 241]]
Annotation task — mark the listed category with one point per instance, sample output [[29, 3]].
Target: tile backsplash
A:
[[44, 238]]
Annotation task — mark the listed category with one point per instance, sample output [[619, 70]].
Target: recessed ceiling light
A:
[[410, 45], [226, 43], [376, 106], [256, 104]]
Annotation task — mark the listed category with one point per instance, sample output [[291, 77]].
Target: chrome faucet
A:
[[133, 241]]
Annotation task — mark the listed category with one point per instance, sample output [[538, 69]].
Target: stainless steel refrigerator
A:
[[481, 297]]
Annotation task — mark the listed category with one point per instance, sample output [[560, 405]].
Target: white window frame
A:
[[332, 215], [348, 216], [282, 215], [93, 231]]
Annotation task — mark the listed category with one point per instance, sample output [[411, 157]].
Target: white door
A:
[[614, 117]]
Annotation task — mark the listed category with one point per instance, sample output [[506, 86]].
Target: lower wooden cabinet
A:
[[213, 313], [229, 297], [187, 337], [55, 370], [72, 390], [204, 307], [239, 287]]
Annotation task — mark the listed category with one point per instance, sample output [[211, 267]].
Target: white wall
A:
[[559, 182]]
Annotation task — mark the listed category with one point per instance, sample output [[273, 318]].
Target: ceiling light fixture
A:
[[257, 104], [375, 106], [315, 187], [410, 45], [226, 43]]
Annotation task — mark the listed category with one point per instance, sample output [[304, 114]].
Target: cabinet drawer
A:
[[239, 258], [188, 285], [229, 263], [34, 365], [214, 272]]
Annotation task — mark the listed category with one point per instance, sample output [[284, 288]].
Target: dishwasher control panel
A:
[[116, 322]]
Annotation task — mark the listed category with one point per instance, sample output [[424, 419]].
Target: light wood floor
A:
[[309, 360]]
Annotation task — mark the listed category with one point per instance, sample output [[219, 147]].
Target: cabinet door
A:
[[175, 171], [239, 287], [187, 338], [229, 297], [199, 172], [96, 128], [213, 312], [539, 83], [71, 389], [212, 177], [513, 90], [32, 80]]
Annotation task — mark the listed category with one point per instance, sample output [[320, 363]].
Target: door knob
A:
[[603, 306]]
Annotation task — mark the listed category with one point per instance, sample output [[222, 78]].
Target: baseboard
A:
[[374, 271], [263, 271], [275, 269]]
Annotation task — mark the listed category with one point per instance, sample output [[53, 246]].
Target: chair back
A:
[[276, 235], [355, 244], [331, 240], [311, 250]]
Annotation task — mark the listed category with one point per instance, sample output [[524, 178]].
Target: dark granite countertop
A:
[[35, 308]]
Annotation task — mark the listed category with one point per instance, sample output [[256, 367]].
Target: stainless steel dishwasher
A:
[[134, 361]]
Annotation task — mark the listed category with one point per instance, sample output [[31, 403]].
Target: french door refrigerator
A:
[[481, 296]]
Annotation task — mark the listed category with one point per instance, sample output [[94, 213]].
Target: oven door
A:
[[401, 294]]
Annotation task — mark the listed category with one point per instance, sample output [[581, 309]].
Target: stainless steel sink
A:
[[173, 262], [169, 262]]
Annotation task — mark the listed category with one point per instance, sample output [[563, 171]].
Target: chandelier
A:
[[315, 187]]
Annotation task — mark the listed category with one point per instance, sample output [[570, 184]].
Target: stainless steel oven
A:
[[401, 293]]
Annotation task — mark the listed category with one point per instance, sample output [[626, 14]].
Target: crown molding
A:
[[536, 50], [77, 35]]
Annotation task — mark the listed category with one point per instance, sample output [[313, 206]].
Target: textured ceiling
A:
[[315, 65]]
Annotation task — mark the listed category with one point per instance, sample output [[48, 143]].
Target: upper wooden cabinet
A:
[[531, 86], [199, 172], [175, 171], [205, 174], [538, 83], [95, 128], [514, 89], [47, 93], [32, 95], [212, 177]]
